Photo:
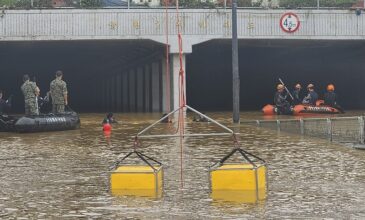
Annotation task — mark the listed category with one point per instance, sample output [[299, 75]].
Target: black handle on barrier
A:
[[253, 156], [144, 160], [228, 156], [140, 156], [244, 155]]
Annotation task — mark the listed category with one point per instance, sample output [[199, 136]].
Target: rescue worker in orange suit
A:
[[311, 97], [330, 98], [297, 95], [282, 105]]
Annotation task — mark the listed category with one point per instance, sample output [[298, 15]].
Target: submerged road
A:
[[65, 174]]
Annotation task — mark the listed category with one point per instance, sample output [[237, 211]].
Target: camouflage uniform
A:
[[58, 89], [29, 90]]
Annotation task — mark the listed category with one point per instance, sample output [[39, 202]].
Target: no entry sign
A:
[[289, 22]]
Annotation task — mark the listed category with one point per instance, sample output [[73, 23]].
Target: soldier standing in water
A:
[[58, 92]]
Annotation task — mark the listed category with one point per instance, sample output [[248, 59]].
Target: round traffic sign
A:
[[289, 22]]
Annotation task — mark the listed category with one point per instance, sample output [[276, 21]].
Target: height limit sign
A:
[[289, 22]]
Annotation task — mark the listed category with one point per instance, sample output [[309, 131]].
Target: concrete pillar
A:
[[100, 104], [139, 76], [99, 89], [160, 74], [155, 78], [175, 62], [112, 93], [105, 95], [147, 86], [132, 90], [125, 92], [166, 87], [119, 92]]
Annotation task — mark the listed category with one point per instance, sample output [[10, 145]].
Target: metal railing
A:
[[263, 4], [339, 129]]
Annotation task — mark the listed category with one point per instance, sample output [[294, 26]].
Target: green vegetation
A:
[[313, 3], [26, 4], [91, 3]]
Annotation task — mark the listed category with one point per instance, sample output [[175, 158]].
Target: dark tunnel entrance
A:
[[84, 64], [262, 62], [209, 73]]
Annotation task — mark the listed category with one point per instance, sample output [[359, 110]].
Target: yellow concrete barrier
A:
[[238, 177], [149, 193], [239, 182], [238, 196], [136, 177]]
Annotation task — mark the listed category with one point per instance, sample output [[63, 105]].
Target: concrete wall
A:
[[197, 25], [138, 89]]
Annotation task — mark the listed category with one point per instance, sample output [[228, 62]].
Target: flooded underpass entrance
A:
[[124, 75], [130, 75], [66, 174], [262, 62]]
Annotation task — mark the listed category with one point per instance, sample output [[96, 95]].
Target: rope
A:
[[167, 58], [182, 101]]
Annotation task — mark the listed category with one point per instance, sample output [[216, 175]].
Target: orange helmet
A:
[[310, 86], [280, 86], [330, 87], [298, 86]]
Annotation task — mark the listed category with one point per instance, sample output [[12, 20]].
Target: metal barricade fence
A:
[[290, 126], [338, 129], [316, 127], [269, 124], [347, 130]]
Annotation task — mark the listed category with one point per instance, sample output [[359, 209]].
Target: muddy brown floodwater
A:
[[65, 174]]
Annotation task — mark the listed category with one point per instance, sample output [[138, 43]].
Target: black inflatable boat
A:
[[39, 123]]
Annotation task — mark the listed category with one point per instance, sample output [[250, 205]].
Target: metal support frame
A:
[[146, 159], [329, 128], [244, 154], [301, 124], [235, 66], [361, 130], [143, 135]]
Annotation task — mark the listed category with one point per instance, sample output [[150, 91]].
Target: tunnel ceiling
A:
[[75, 57]]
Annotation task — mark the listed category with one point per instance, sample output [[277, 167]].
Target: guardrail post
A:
[[329, 128], [361, 130], [301, 123]]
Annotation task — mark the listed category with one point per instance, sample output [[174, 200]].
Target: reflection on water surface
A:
[[66, 174]]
